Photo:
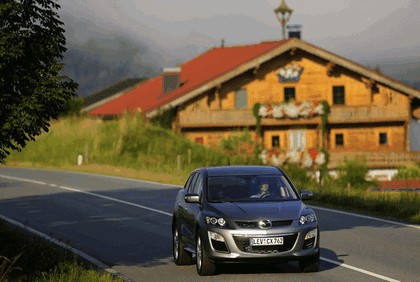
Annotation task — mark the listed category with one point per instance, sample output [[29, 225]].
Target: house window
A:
[[338, 95], [199, 140], [289, 94], [241, 99], [383, 138], [339, 140], [275, 141]]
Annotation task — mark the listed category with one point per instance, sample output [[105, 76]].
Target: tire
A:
[[310, 264], [181, 257], [204, 265]]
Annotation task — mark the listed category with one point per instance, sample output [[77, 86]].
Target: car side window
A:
[[198, 187], [191, 184], [188, 183]]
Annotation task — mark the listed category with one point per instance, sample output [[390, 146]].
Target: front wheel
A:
[[204, 265], [181, 257], [310, 264]]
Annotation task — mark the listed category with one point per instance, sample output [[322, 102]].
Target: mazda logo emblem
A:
[[264, 224]]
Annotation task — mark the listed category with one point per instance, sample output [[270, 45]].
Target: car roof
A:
[[241, 170]]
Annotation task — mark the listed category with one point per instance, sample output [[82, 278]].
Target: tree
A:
[[32, 89]]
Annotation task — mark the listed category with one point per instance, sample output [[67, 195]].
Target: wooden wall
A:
[[315, 84]]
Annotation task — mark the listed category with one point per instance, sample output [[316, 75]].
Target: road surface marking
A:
[[87, 193], [359, 270], [367, 217]]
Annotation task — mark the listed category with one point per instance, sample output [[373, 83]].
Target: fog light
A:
[[311, 234], [216, 236]]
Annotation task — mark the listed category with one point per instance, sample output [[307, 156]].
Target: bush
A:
[[408, 172], [301, 177], [238, 143], [353, 173]]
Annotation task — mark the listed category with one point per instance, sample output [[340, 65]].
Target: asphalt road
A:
[[125, 225]]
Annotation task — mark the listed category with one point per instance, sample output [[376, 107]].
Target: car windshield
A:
[[249, 188]]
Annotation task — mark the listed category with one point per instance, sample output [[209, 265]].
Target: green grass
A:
[[127, 143], [25, 257]]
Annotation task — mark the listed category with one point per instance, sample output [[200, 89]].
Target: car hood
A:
[[286, 210]]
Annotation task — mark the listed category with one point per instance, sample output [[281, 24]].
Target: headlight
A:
[[311, 234], [309, 218], [216, 221]]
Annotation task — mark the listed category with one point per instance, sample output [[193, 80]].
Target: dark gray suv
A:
[[243, 214]]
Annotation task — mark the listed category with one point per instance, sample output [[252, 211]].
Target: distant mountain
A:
[[103, 49], [98, 57], [98, 64]]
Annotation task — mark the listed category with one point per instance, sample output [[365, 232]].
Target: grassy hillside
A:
[[129, 147]]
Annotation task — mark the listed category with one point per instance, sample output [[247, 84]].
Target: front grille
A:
[[243, 244], [254, 224]]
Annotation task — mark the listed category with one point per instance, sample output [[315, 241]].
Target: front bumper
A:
[[236, 246]]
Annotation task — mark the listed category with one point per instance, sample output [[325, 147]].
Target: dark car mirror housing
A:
[[306, 194], [192, 198]]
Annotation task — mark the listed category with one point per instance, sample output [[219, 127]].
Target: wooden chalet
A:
[[281, 91]]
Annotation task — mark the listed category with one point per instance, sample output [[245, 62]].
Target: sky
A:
[[381, 27]]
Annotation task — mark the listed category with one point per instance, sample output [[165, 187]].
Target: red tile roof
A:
[[194, 73]]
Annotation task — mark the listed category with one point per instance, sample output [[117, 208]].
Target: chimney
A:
[[294, 31], [171, 79]]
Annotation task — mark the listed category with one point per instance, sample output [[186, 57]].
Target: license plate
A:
[[266, 241]]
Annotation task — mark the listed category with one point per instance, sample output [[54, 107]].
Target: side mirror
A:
[[306, 194], [192, 198]]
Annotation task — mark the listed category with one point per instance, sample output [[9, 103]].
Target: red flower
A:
[[313, 153]]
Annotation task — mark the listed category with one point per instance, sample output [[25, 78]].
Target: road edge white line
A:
[[44, 236], [359, 270], [85, 192], [367, 217]]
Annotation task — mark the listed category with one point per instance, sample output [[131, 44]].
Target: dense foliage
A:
[[409, 172], [33, 92]]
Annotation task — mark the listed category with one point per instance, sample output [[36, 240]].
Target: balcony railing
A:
[[236, 118], [376, 159], [342, 114], [218, 118], [351, 114]]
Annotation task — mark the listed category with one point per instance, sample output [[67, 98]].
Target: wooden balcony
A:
[[341, 114], [227, 118], [218, 118], [376, 159], [357, 114]]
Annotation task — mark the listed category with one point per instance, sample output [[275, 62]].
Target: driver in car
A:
[[263, 193]]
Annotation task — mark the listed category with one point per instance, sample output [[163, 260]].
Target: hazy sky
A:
[[342, 26]]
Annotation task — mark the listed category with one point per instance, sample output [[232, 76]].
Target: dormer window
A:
[[171, 80]]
